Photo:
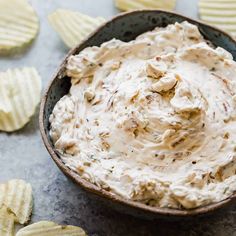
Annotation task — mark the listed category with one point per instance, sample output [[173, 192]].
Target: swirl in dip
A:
[[152, 120]]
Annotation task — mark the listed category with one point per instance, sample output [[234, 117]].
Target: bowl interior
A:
[[124, 27]]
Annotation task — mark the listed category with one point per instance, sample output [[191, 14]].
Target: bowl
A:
[[126, 27]]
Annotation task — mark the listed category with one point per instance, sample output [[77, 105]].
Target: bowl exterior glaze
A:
[[126, 27]]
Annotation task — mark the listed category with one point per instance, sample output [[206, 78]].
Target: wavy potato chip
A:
[[6, 222], [220, 13], [19, 25], [48, 228], [20, 91], [73, 26], [125, 5], [16, 195]]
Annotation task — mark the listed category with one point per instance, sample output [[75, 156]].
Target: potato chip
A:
[[19, 25], [20, 91], [73, 26], [6, 222], [48, 228], [16, 195], [220, 13], [125, 5]]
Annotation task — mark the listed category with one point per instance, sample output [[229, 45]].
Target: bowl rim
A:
[[88, 186]]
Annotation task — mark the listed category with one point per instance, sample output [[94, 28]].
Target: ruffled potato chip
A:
[[48, 228], [73, 26], [220, 13], [16, 195], [19, 25], [129, 5], [6, 222], [20, 91]]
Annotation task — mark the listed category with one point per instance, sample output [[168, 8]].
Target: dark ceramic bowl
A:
[[126, 27]]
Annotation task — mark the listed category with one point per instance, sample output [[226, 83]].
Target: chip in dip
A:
[[152, 120]]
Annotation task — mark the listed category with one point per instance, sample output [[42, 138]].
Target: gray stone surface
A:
[[22, 154]]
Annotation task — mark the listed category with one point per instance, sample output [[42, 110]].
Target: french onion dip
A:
[[152, 120]]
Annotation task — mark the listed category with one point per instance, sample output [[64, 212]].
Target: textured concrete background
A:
[[22, 154]]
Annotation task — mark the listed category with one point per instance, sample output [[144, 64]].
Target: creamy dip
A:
[[152, 120]]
